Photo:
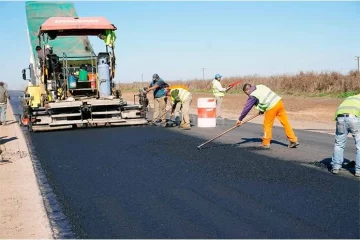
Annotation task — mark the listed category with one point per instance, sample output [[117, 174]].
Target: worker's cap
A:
[[155, 76], [218, 76]]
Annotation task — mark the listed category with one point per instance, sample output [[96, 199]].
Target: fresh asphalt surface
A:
[[152, 182]]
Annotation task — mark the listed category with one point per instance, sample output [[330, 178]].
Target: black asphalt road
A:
[[152, 182]]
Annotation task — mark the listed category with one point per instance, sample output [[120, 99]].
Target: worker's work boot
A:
[[293, 144], [265, 146], [335, 171]]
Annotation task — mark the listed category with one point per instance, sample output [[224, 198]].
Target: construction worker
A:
[[268, 102], [4, 96], [347, 118], [182, 97], [175, 116], [109, 38], [157, 85], [219, 93]]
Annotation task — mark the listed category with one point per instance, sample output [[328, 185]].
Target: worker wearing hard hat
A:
[[347, 118], [268, 102], [219, 93], [181, 96]]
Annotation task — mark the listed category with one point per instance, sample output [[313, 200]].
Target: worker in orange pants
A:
[[268, 102]]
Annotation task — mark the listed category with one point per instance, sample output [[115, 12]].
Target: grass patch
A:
[[307, 84]]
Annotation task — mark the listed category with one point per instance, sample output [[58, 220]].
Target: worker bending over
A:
[[347, 118], [268, 102], [176, 113], [181, 96], [219, 93]]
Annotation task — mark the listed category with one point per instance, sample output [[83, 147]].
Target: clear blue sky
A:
[[177, 39]]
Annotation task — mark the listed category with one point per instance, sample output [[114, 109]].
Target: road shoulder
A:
[[22, 210]]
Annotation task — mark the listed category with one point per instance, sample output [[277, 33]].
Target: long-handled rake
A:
[[199, 147]]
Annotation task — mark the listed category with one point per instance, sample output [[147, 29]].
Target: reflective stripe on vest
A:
[[183, 94], [350, 105], [216, 92], [267, 98]]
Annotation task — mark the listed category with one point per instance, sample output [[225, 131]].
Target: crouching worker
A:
[[271, 104], [181, 96]]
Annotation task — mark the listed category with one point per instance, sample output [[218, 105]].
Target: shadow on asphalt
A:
[[245, 140], [259, 140], [347, 165]]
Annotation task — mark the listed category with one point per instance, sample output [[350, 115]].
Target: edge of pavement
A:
[[310, 126], [22, 210]]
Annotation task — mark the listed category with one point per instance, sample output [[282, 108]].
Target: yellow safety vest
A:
[[183, 94], [267, 98], [216, 92], [351, 105], [110, 38]]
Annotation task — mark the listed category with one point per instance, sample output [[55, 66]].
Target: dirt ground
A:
[[313, 114], [22, 211]]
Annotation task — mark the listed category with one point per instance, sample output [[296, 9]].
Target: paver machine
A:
[[69, 85]]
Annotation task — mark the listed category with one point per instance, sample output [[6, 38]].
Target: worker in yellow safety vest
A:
[[183, 97], [268, 102], [347, 118], [219, 93], [109, 38]]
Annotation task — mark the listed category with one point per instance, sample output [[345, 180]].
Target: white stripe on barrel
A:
[[206, 108]]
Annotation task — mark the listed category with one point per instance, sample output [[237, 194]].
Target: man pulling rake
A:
[[270, 104]]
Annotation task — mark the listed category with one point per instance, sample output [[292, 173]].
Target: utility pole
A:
[[357, 58], [203, 69], [142, 78]]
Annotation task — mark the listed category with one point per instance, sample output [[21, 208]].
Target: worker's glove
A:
[[238, 123], [228, 88]]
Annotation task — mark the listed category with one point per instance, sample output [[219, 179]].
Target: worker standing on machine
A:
[[157, 85], [109, 38], [268, 102], [182, 97]]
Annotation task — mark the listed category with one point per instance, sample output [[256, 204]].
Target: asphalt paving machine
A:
[[69, 85]]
